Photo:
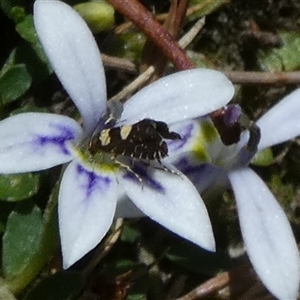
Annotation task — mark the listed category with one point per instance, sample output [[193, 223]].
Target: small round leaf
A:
[[16, 187]]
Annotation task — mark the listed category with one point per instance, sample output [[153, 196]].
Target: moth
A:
[[143, 140]]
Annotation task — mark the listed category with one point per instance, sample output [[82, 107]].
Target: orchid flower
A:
[[211, 165], [92, 187]]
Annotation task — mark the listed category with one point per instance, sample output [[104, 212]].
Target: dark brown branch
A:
[[152, 55], [142, 18]]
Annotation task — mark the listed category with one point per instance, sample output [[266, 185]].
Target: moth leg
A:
[[127, 168], [160, 166], [164, 168]]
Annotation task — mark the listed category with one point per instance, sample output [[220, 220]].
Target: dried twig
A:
[[118, 63], [266, 78], [208, 287]]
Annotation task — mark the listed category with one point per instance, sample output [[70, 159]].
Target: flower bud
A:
[[98, 15]]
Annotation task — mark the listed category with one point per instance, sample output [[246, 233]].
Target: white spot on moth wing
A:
[[104, 137], [125, 131]]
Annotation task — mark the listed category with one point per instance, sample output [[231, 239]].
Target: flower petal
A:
[[199, 138], [87, 203], [282, 122], [36, 141], [180, 96], [208, 179], [172, 201], [74, 56], [267, 234]]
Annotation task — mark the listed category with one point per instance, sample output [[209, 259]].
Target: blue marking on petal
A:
[[59, 138], [191, 170], [203, 176], [92, 181], [196, 172], [145, 175], [185, 136]]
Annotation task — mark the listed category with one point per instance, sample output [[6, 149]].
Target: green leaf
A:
[[130, 234], [13, 8], [9, 63], [33, 57], [21, 239], [17, 13], [14, 83], [263, 158], [17, 187], [29, 53], [50, 239], [35, 60], [138, 290], [285, 58], [128, 45], [26, 30], [61, 286], [137, 296], [5, 210], [45, 233]]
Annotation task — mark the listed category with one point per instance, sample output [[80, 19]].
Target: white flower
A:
[[92, 189], [211, 165]]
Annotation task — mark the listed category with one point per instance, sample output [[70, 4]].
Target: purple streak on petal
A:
[[185, 166], [144, 173], [232, 114], [59, 138], [203, 176], [92, 181], [185, 136], [195, 172]]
